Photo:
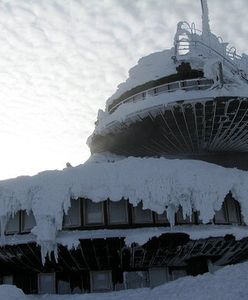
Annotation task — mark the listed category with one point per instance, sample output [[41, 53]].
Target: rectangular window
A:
[[28, 221], [180, 218], [142, 215], [73, 216], [158, 276], [220, 216], [93, 213], [175, 274], [232, 211], [161, 218], [13, 224], [101, 281], [117, 212], [46, 283], [64, 287], [162, 89], [136, 279], [8, 279]]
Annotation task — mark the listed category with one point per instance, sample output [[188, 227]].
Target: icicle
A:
[[3, 222], [171, 210]]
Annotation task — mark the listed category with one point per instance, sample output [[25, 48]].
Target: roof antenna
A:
[[205, 19]]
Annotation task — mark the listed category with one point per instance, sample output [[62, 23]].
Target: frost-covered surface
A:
[[160, 183], [151, 67], [229, 283]]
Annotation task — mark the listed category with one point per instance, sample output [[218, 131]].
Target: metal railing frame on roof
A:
[[193, 31], [201, 83], [195, 37]]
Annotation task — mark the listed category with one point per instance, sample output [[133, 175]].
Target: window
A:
[[28, 221], [162, 89], [161, 218], [229, 212], [233, 211], [73, 216], [175, 274], [93, 213], [142, 215], [101, 281], [117, 212], [13, 224], [46, 283], [136, 279], [173, 87], [157, 276], [8, 279], [220, 216], [64, 287], [180, 218]]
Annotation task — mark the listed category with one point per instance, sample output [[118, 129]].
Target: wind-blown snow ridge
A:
[[160, 183]]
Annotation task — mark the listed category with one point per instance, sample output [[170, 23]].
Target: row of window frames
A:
[[118, 214], [172, 87], [101, 281]]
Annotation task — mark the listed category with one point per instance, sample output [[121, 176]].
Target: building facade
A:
[[197, 109]]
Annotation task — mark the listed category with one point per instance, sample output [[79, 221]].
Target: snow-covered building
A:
[[159, 198]]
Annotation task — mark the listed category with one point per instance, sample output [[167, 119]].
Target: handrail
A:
[[188, 42], [225, 59], [194, 31], [229, 58], [155, 90]]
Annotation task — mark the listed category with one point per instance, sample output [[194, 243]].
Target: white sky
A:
[[61, 59]]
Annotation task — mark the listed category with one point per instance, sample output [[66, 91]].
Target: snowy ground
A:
[[229, 283]]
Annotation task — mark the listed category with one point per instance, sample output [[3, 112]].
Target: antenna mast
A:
[[205, 18]]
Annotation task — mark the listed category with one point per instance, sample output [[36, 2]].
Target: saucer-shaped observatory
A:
[[189, 101]]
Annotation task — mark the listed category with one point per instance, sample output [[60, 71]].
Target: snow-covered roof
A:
[[151, 67], [204, 51], [160, 183]]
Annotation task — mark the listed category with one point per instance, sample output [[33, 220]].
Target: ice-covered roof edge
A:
[[160, 183]]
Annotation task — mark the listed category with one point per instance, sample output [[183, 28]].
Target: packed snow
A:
[[151, 67], [229, 283], [161, 184]]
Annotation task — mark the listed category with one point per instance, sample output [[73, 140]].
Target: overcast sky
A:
[[61, 59]]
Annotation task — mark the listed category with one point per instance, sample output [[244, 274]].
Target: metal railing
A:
[[188, 37], [185, 85]]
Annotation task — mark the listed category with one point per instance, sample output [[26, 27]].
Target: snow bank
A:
[[160, 183], [229, 283], [11, 292]]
